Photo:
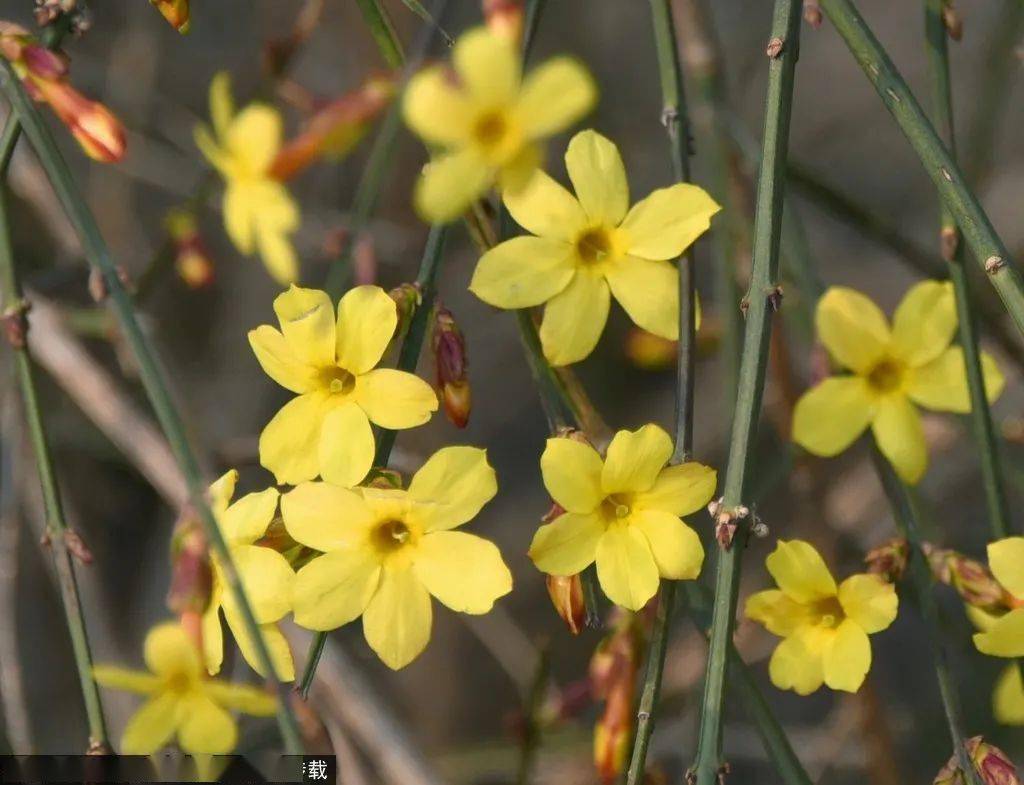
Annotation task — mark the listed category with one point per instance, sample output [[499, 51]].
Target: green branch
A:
[[383, 32], [762, 299]]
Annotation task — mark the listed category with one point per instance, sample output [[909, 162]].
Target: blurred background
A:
[[861, 211]]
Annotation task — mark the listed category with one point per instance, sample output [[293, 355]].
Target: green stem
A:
[[408, 358], [906, 518], [13, 306], [950, 238], [986, 246], [383, 32], [98, 255], [533, 703], [762, 299]]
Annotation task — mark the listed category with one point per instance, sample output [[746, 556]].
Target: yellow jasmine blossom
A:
[[330, 363], [1004, 635], [182, 701], [892, 370], [386, 551], [266, 577], [585, 249], [623, 512], [488, 119], [259, 213], [824, 628]]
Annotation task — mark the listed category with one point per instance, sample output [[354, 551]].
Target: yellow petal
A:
[[1008, 698], [241, 697], [221, 490], [254, 137], [598, 176], [123, 679], [274, 207], [240, 216], [335, 588], [367, 318], [780, 614], [488, 66], [852, 328], [517, 169], [847, 659], [572, 474], [213, 635], [797, 665], [800, 572], [452, 486], [676, 547], [982, 620], [267, 580], [1006, 560], [435, 109], [1005, 638], [897, 428], [668, 221], [924, 322], [544, 208], [277, 646], [152, 726], [523, 272], [307, 322], [325, 517], [278, 254], [680, 489], [211, 150], [169, 652], [649, 292], [395, 399], [397, 621], [942, 383], [247, 519], [205, 728], [464, 572], [222, 105], [625, 567], [830, 416], [346, 446], [634, 459], [289, 445], [574, 319], [567, 545], [870, 601], [554, 96], [279, 362], [449, 184]]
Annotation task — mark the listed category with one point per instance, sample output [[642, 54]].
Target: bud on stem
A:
[[451, 366]]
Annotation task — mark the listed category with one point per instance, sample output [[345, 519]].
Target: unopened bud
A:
[[379, 477], [451, 367], [504, 18], [992, 764], [973, 581], [407, 297], [192, 259], [191, 568], [952, 21], [648, 351], [889, 560], [97, 130], [42, 63], [566, 592], [613, 670], [174, 11]]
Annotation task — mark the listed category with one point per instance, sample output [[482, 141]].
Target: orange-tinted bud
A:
[[335, 128], [192, 259], [613, 670], [566, 592], [451, 366], [407, 297], [42, 63], [97, 130], [973, 581], [504, 18], [191, 569], [992, 765], [648, 351], [889, 559], [174, 11]]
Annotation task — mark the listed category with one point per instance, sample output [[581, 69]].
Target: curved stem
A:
[[152, 376], [762, 298]]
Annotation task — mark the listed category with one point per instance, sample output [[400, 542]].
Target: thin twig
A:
[[533, 703]]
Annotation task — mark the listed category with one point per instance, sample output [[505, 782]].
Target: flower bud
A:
[[97, 130], [648, 351], [42, 63], [992, 765], [407, 297], [613, 670], [191, 257], [191, 569], [380, 477], [566, 592], [952, 21], [973, 581], [504, 18], [451, 364], [174, 11], [889, 559]]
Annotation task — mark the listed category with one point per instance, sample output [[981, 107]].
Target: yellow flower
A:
[[386, 551], [1008, 697], [266, 577], [259, 213], [1003, 636], [623, 512], [824, 627], [592, 247], [182, 701], [331, 365], [488, 119], [912, 363]]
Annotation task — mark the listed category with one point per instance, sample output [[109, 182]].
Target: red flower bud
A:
[[191, 569], [451, 364], [97, 130], [613, 670], [566, 594], [991, 763], [192, 259]]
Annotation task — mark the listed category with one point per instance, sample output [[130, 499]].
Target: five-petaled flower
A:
[[488, 119], [591, 247], [824, 627], [259, 213], [624, 512], [331, 365], [892, 370], [1003, 635], [182, 702], [386, 551], [265, 574]]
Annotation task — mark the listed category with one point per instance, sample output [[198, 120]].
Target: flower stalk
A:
[[762, 300]]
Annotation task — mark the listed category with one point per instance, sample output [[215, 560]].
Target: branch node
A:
[[949, 242], [726, 521], [812, 13], [76, 546], [97, 285], [16, 323], [669, 116], [744, 306], [946, 174], [994, 264], [691, 777], [775, 47], [723, 770], [774, 295]]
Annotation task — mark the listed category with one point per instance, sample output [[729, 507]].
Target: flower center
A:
[[829, 612], [594, 245], [616, 507], [886, 376], [490, 130], [391, 535], [179, 683], [337, 380]]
